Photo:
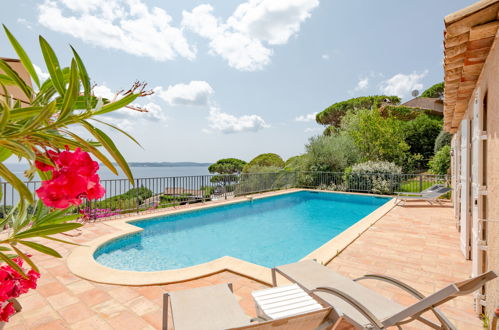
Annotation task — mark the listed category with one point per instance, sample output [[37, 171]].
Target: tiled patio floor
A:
[[417, 244]]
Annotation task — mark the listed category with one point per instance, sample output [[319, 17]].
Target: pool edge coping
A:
[[82, 263]]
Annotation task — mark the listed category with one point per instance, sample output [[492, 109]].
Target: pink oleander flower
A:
[[74, 177], [12, 285]]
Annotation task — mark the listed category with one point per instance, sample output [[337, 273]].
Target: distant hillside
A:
[[166, 164]]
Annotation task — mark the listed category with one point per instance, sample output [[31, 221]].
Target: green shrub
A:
[[377, 177], [330, 153], [440, 163], [333, 115], [377, 138], [443, 139], [264, 160], [227, 166], [126, 200], [264, 179], [436, 90], [421, 133]]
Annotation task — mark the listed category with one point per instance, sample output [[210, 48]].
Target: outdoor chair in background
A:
[[430, 195]]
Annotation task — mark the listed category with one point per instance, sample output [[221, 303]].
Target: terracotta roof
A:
[[15, 91], [468, 37], [428, 103]]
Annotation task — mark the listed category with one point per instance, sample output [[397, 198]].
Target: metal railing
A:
[[147, 194]]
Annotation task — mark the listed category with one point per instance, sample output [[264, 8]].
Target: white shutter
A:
[[465, 188], [476, 181], [455, 174]]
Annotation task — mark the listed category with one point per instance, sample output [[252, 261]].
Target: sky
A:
[[236, 78]]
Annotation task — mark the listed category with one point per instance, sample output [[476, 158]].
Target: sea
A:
[[138, 172]]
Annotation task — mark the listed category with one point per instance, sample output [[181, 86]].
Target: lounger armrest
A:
[[355, 303], [392, 281], [441, 317], [399, 193]]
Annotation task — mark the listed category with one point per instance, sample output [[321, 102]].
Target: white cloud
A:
[[240, 40], [195, 93], [325, 56], [306, 118], [362, 84], [103, 91], [24, 22], [270, 20], [402, 84], [127, 25], [41, 74], [227, 123]]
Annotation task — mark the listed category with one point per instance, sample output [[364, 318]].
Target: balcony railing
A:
[[148, 194]]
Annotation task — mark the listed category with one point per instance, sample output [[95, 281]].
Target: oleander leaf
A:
[[26, 258], [18, 81], [22, 56], [53, 66], [47, 230], [41, 248], [16, 183], [12, 264], [109, 145], [72, 92], [85, 79], [123, 102]]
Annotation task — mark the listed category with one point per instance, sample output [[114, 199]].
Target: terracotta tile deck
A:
[[417, 244]]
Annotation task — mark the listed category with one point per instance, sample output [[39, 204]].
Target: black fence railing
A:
[[147, 194]]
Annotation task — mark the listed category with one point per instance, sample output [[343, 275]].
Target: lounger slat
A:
[[284, 300], [277, 290], [285, 304], [283, 297], [295, 311]]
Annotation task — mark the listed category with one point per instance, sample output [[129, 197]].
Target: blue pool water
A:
[[269, 231]]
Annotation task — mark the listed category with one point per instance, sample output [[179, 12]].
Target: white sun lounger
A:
[[216, 308], [429, 196], [367, 309]]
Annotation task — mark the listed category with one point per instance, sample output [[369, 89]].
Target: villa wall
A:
[[488, 86]]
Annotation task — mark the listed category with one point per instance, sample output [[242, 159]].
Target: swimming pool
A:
[[268, 231]]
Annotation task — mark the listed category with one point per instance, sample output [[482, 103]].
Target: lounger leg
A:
[[274, 278], [166, 305]]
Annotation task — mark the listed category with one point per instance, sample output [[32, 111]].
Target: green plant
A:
[[127, 200], [333, 114], [440, 163], [443, 139], [227, 166], [376, 138], [377, 177], [330, 153], [295, 163], [264, 160], [436, 90], [421, 133], [46, 123]]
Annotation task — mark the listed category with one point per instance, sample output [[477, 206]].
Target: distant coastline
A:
[[167, 164]]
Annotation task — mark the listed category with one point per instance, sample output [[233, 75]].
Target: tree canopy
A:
[[227, 166], [265, 160], [334, 113], [376, 138], [436, 90], [443, 139], [330, 153], [421, 133]]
